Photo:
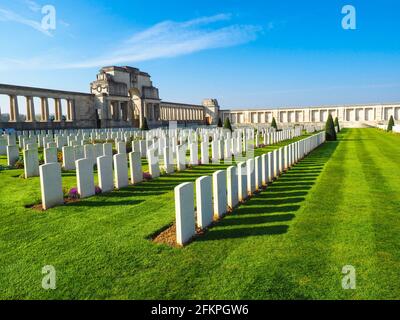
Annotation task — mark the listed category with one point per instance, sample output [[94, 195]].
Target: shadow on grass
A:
[[102, 203], [246, 232], [269, 212]]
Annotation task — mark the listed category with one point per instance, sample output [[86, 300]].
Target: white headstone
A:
[[90, 153], [84, 177], [135, 163], [232, 187], [121, 147], [121, 171], [68, 158], [154, 167], [221, 145], [12, 155], [204, 153], [107, 149], [50, 155], [276, 163], [219, 192], [135, 146], [51, 185], [168, 160], [31, 163], [3, 146], [98, 149], [258, 172], [184, 212], [242, 181], [214, 152], [270, 166], [79, 152], [251, 176], [105, 173], [194, 157], [181, 157], [204, 201], [143, 148]]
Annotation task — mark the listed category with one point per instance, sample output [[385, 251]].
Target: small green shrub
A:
[[330, 129], [145, 126], [227, 124], [390, 124], [273, 124], [337, 124]]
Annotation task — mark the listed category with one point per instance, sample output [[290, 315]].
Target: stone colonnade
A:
[[44, 109], [368, 114], [44, 96], [181, 112]]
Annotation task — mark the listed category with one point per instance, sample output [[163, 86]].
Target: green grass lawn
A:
[[339, 206]]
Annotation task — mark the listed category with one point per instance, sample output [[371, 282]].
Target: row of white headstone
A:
[[101, 154], [396, 128], [112, 173], [61, 138], [226, 188], [222, 148]]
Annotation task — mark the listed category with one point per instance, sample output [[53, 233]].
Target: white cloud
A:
[[33, 6], [8, 15], [64, 23], [163, 40], [171, 39]]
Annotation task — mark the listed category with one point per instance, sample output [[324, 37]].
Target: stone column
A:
[[70, 110], [145, 113], [58, 116], [141, 113], [148, 112], [124, 106], [119, 109], [44, 109], [130, 110], [14, 112], [153, 112], [30, 109], [115, 110]]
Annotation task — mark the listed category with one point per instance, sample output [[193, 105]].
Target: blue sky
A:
[[244, 53]]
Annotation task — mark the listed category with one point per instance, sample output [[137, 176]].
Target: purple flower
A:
[[73, 193], [147, 176], [97, 190]]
